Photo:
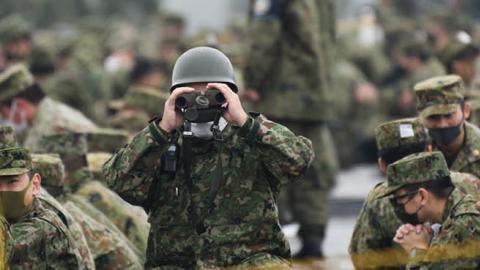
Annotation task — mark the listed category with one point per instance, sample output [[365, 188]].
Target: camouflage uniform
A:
[[441, 95], [391, 94], [288, 64], [128, 219], [51, 168], [100, 247], [459, 49], [140, 104], [455, 246], [5, 242], [371, 245], [41, 239], [241, 226]]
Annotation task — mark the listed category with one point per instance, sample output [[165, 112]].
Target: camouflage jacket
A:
[[468, 158], [108, 249], [456, 246], [41, 241], [80, 242], [54, 116], [290, 58], [371, 245], [5, 243], [257, 159], [130, 220]]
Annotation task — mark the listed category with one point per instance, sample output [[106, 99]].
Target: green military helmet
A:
[[460, 46], [12, 28], [65, 144], [15, 161], [439, 95], [14, 81], [51, 169], [203, 64], [416, 168], [400, 133], [7, 137]]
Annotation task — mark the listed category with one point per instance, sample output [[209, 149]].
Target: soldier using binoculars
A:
[[209, 173]]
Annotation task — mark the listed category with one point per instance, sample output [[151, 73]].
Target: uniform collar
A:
[[470, 151]]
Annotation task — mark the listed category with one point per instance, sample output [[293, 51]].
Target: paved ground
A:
[[345, 203]]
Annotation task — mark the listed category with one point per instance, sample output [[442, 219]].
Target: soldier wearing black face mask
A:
[[441, 107]]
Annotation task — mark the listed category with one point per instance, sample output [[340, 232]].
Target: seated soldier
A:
[[41, 240], [371, 245], [421, 185]]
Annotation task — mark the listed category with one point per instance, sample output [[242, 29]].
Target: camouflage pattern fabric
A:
[[416, 168], [468, 158], [6, 243], [390, 96], [13, 27], [140, 104], [122, 245], [146, 98], [371, 245], [54, 117], [456, 246], [398, 133], [73, 227], [131, 220], [41, 241], [290, 52], [106, 140], [15, 161], [50, 168], [108, 250], [95, 162], [14, 80], [288, 64], [7, 137], [457, 45], [244, 220], [439, 95]]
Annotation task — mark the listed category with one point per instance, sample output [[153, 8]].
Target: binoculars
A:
[[200, 106]]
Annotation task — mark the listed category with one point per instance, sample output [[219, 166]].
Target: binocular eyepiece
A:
[[210, 98]]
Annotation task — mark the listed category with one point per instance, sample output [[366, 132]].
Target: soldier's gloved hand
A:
[[234, 113], [171, 118]]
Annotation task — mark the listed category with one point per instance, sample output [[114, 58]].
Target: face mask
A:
[[204, 131], [13, 203], [405, 217], [445, 136], [20, 128]]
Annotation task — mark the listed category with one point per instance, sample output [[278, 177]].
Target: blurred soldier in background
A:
[[15, 40], [288, 75]]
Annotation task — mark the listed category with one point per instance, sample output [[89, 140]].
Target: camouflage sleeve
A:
[[131, 171], [370, 247], [265, 30], [5, 243], [41, 245], [285, 155], [457, 249]]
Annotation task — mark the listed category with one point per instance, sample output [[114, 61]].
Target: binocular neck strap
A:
[[217, 181]]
